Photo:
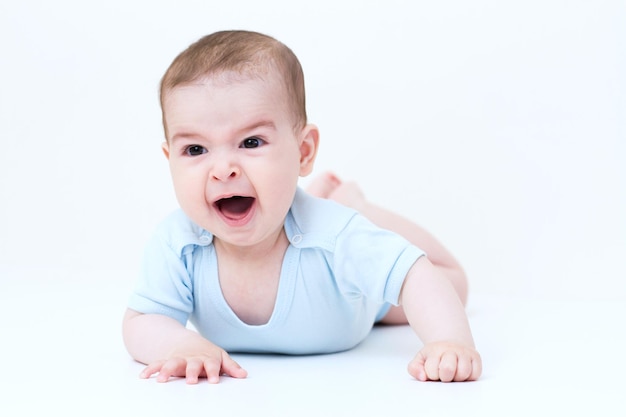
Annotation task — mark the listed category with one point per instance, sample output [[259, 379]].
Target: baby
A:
[[257, 264]]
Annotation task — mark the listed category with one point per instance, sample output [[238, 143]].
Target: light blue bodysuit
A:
[[339, 276]]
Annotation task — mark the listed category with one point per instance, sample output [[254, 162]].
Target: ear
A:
[[308, 148], [165, 147]]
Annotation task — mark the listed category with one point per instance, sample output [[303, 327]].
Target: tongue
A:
[[235, 207]]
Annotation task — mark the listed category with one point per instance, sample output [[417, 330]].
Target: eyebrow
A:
[[184, 135], [268, 124], [262, 123]]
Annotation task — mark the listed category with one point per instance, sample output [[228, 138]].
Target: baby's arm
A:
[[436, 313], [171, 350]]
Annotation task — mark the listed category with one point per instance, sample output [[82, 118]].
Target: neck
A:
[[277, 243]]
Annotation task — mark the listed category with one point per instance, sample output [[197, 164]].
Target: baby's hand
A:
[[210, 364], [446, 362]]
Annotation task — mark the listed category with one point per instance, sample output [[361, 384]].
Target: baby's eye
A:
[[252, 142], [195, 150]]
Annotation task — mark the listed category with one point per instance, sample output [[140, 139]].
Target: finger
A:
[[416, 367], [431, 367], [212, 368], [463, 369], [151, 369], [447, 366], [477, 368], [172, 367], [231, 368], [194, 368]]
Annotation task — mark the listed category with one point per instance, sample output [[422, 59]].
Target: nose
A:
[[225, 168]]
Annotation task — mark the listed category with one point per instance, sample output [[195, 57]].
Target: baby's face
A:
[[234, 156]]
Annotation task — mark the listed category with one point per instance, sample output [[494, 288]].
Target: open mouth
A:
[[235, 208]]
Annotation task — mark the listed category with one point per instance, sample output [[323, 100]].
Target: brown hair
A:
[[250, 54]]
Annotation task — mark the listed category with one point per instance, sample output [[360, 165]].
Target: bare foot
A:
[[324, 185], [329, 186], [349, 194]]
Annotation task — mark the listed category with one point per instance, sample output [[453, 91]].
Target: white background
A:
[[500, 126]]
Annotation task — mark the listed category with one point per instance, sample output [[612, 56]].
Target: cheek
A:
[[187, 185], [283, 172], [290, 161], [285, 177]]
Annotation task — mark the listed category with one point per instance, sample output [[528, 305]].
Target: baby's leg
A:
[[349, 194]]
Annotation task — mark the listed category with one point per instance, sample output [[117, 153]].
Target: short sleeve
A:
[[372, 261], [165, 285]]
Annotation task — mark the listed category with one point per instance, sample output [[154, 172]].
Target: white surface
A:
[[62, 351], [497, 125]]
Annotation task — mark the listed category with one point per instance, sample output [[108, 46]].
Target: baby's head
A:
[[237, 135], [239, 54]]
